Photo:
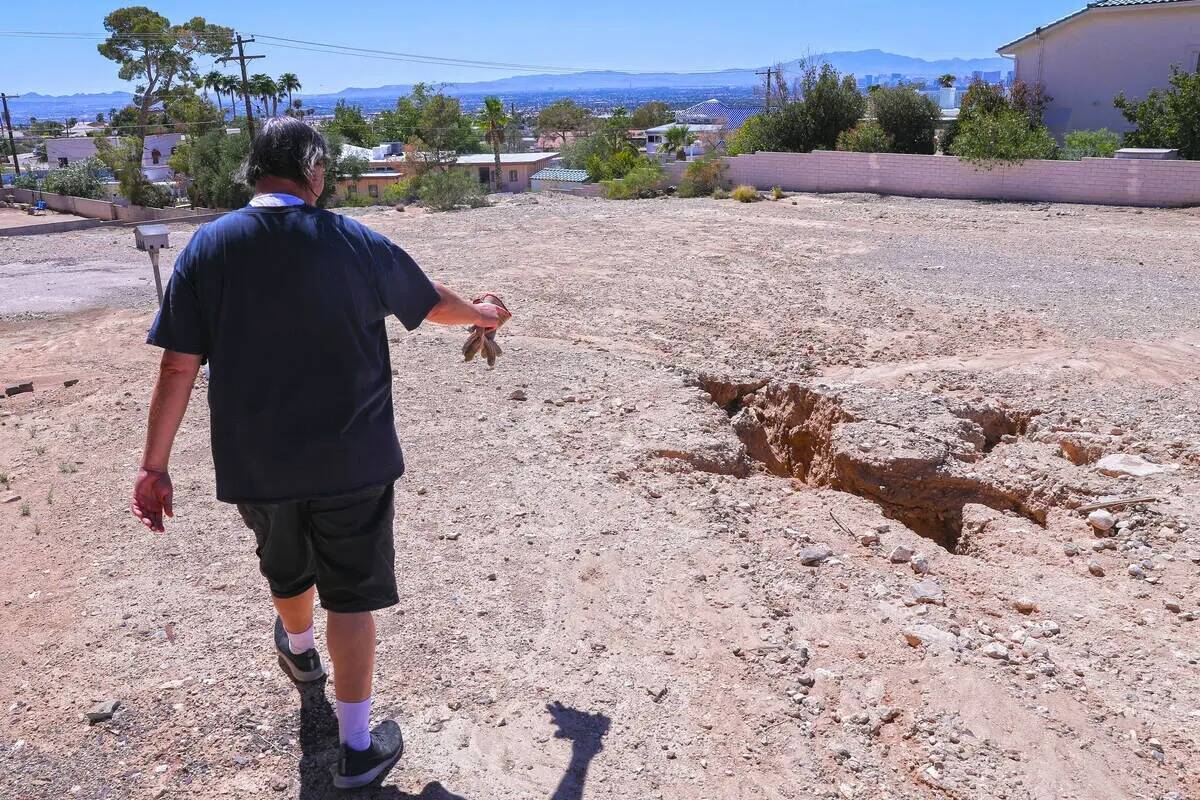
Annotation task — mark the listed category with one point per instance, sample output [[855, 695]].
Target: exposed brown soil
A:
[[737, 416]]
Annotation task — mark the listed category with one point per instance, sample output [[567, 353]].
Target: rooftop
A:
[[560, 174], [506, 158], [692, 127], [1099, 4]]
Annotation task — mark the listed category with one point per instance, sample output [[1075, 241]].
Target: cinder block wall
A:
[[1105, 181]]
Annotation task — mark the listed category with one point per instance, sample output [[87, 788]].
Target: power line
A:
[[312, 46], [242, 58]]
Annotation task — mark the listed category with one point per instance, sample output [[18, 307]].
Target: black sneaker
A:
[[357, 768], [303, 668]]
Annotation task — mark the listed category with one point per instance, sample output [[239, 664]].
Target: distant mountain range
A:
[[858, 63]]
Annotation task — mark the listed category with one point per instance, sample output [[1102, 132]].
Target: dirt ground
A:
[[790, 510]]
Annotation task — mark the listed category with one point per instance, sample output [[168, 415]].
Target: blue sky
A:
[[615, 34]]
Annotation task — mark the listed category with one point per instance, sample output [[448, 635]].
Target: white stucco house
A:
[[157, 149], [1084, 60]]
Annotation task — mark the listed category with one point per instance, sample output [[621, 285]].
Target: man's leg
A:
[[351, 641], [297, 615]]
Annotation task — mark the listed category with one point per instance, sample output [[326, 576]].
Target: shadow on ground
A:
[[318, 747]]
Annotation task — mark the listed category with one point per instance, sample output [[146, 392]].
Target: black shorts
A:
[[342, 544]]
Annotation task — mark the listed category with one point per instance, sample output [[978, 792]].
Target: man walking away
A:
[[287, 303]]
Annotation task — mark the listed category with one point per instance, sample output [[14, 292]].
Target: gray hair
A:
[[286, 148]]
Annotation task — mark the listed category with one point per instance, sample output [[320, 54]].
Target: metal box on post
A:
[[151, 239]]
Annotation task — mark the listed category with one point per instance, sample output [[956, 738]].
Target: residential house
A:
[[157, 148], [704, 138], [85, 128], [557, 178], [710, 122], [517, 169], [1085, 59]]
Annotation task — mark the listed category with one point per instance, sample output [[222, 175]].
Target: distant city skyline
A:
[[626, 36]]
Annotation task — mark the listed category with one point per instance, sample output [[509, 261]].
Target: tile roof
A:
[[1097, 4], [1114, 3], [714, 110], [560, 174]]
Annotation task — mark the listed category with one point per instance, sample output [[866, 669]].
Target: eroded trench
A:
[[920, 474]]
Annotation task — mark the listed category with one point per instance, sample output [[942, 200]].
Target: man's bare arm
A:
[[152, 492], [453, 310]]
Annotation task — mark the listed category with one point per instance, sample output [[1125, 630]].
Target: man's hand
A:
[[152, 495], [491, 316]]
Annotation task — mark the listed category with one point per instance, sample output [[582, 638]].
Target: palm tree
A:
[[215, 81], [232, 87], [493, 121], [675, 139], [289, 82], [947, 80], [263, 88]]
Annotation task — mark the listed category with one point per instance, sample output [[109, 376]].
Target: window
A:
[[62, 161], [155, 155], [512, 176], [373, 189]]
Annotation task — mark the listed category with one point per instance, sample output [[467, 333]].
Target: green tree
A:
[[908, 117], [563, 118], [213, 162], [651, 115], [349, 123], [493, 120], [749, 138], [124, 159], [289, 82], [352, 168], [157, 54], [947, 81], [1004, 136], [1167, 118], [81, 179]]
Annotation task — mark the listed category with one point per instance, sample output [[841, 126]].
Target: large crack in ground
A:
[[920, 461]]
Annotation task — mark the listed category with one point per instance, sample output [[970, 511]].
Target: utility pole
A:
[[242, 58], [767, 98], [8, 124]]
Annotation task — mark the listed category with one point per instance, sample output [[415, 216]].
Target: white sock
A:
[[301, 642], [354, 724]]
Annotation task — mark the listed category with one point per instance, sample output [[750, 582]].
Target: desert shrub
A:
[[25, 180], [213, 161], [407, 190], [155, 195], [909, 118], [1005, 136], [81, 179], [745, 194], [703, 176], [1169, 118], [720, 194], [644, 181], [867, 137], [354, 201], [443, 191], [1090, 144], [777, 193]]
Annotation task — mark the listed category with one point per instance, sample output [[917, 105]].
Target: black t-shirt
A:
[[288, 305]]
